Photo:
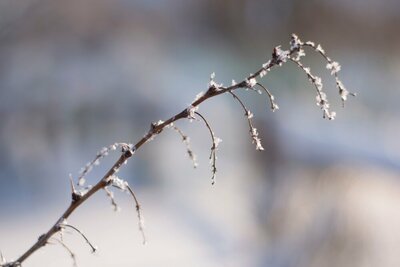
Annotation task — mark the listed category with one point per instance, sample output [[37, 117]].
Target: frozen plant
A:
[[80, 193]]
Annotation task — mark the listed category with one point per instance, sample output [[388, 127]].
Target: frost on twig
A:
[[139, 214], [274, 106], [252, 82], [96, 161], [186, 141], [124, 187], [110, 195], [322, 100], [64, 224], [295, 53], [191, 110], [334, 67], [253, 131], [215, 143], [212, 85]]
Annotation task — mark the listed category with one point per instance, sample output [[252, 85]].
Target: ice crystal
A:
[[263, 73], [280, 56], [266, 64], [295, 43], [334, 67], [320, 49], [251, 82], [191, 111], [256, 139]]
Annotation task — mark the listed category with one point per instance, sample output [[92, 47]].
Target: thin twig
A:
[[253, 131], [274, 106], [139, 214], [185, 140], [110, 194], [213, 156], [247, 112], [334, 67], [322, 100], [94, 248], [96, 161]]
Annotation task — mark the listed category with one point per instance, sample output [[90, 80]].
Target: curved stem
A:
[[213, 156], [82, 234]]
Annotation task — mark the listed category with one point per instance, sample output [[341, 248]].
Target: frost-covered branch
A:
[[81, 193]]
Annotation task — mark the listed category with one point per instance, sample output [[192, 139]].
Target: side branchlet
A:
[[215, 143], [123, 186], [322, 99], [334, 67], [110, 195], [100, 155], [249, 115], [64, 225], [186, 141], [274, 106]]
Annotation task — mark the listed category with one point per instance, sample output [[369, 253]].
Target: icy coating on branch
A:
[[80, 193]]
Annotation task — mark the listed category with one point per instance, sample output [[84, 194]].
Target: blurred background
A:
[[82, 74]]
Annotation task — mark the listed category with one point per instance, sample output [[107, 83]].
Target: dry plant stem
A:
[[339, 84], [139, 213], [189, 151], [274, 106], [112, 199], [309, 75], [213, 156], [246, 110], [84, 237], [278, 58]]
